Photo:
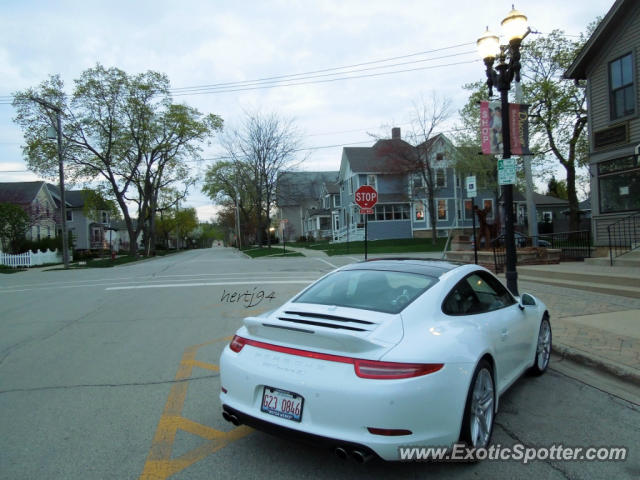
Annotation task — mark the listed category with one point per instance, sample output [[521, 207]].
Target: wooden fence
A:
[[30, 259]]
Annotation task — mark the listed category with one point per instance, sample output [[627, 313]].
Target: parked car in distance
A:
[[385, 353]]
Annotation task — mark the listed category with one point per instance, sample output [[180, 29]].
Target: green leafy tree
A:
[[229, 183], [186, 221], [118, 129], [14, 223], [558, 106], [557, 188], [96, 201]]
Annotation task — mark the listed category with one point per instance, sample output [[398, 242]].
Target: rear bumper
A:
[[296, 435], [339, 406]]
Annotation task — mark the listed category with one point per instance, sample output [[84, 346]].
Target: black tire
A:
[[543, 348], [477, 423]]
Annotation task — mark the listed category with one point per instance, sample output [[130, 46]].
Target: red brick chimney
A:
[[395, 133]]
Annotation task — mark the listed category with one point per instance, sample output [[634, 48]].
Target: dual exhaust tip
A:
[[230, 418], [358, 455]]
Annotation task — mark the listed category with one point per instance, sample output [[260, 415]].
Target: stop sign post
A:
[[366, 198]]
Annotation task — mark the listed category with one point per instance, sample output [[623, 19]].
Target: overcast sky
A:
[[206, 42]]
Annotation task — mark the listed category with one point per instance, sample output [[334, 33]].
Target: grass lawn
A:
[[9, 270], [270, 252], [106, 262], [400, 245]]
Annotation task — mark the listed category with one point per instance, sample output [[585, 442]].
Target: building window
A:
[[372, 181], [547, 217], [468, 209], [69, 215], [419, 208], [48, 231], [387, 212], [619, 182], [441, 178], [336, 200], [621, 96], [439, 156], [418, 181], [353, 184], [488, 204], [443, 213], [105, 217]]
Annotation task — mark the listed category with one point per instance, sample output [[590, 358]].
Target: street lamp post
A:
[[63, 210], [515, 29]]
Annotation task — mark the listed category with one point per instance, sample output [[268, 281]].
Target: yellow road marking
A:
[[159, 464]]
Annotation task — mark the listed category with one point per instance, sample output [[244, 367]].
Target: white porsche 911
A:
[[386, 353]]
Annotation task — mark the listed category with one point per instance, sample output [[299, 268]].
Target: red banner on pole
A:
[[491, 128], [519, 128]]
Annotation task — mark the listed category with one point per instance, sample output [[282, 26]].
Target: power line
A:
[[314, 74], [331, 79], [7, 99]]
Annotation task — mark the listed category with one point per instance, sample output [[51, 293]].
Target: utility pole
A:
[[63, 209], [532, 218]]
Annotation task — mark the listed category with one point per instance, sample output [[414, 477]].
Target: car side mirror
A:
[[527, 300]]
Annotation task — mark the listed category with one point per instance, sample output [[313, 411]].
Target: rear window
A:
[[379, 290]]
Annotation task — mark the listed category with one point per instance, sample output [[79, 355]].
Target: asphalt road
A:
[[112, 373]]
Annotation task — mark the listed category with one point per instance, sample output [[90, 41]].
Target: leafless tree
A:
[[263, 146], [415, 156]]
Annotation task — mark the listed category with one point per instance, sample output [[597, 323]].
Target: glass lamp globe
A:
[[488, 45], [514, 25]]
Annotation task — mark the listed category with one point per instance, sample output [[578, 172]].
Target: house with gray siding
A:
[[610, 64], [402, 208], [89, 231], [300, 198], [36, 200]]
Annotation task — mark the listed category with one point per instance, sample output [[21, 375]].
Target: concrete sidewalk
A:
[[597, 329]]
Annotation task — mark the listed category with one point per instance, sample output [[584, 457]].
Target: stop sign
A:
[[366, 196]]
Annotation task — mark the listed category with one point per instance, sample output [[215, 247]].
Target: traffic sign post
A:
[[507, 171], [366, 198], [472, 192]]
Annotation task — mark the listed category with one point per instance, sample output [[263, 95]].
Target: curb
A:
[[623, 372]]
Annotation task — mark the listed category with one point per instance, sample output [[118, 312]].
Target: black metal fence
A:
[[624, 236], [572, 245]]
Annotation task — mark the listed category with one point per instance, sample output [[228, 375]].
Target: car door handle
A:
[[504, 334]]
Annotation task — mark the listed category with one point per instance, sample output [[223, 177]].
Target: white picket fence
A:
[[30, 259]]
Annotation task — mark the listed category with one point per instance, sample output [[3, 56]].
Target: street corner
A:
[[191, 427]]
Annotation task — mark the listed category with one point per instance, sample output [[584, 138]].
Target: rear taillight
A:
[[237, 343], [393, 370], [363, 368]]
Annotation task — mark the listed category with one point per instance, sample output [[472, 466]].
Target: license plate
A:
[[282, 404]]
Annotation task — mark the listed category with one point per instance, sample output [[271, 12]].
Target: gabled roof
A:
[[387, 156], [380, 158], [294, 187], [72, 198], [541, 200], [332, 187], [609, 26], [19, 192]]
